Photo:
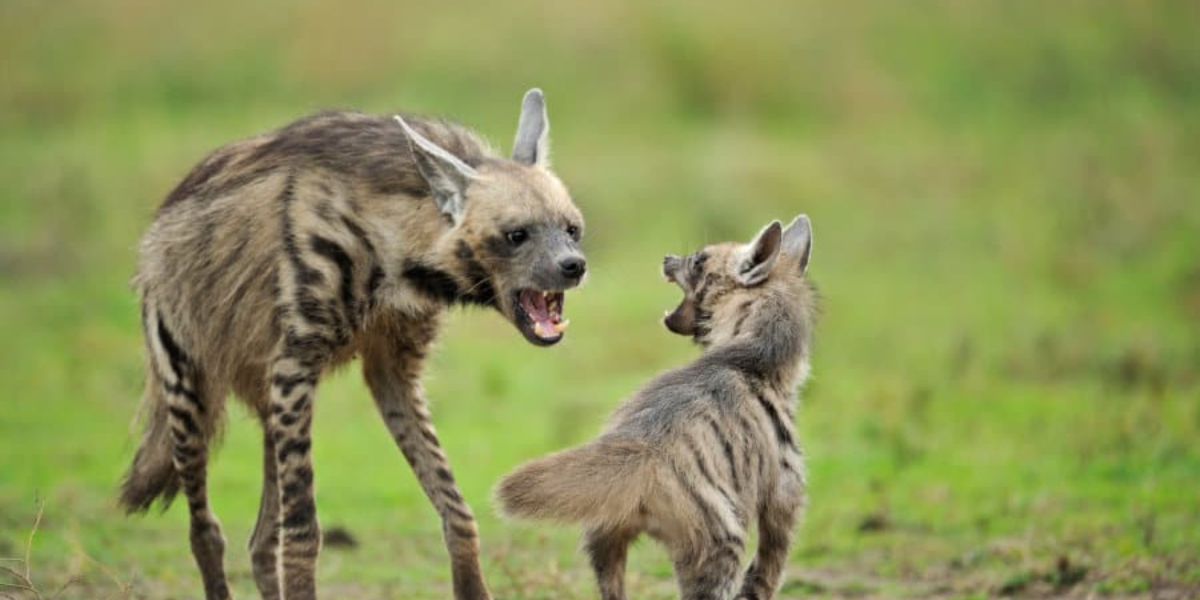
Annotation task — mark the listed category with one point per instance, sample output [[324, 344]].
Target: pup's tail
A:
[[601, 482]]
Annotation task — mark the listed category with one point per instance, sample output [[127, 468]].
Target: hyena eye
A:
[[517, 237], [695, 264], [573, 231]]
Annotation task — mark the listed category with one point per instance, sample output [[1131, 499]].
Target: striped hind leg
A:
[[264, 542], [293, 386], [775, 527], [607, 550], [712, 575], [708, 531], [189, 417]]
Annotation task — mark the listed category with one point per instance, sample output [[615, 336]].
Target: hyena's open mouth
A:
[[539, 316]]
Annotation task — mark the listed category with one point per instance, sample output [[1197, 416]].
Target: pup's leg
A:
[[775, 527], [607, 550]]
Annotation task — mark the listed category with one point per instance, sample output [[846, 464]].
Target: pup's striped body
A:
[[281, 256], [704, 452]]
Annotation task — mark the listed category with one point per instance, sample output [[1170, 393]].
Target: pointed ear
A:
[[797, 240], [446, 175], [532, 145], [759, 255]]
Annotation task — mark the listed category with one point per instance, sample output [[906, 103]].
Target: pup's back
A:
[[702, 451]]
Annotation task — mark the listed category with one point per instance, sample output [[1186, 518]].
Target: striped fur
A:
[[282, 256], [705, 452]]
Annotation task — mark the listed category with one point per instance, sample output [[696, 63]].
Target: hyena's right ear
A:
[[532, 145], [446, 175], [759, 256], [797, 240]]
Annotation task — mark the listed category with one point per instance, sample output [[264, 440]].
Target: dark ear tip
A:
[[775, 229]]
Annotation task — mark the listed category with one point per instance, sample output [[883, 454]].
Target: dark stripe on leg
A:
[[290, 447], [287, 383], [179, 361], [311, 309], [184, 417], [178, 390], [300, 513]]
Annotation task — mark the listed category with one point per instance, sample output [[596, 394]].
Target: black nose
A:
[[572, 268]]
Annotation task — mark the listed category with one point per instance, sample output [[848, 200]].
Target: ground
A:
[[1004, 200]]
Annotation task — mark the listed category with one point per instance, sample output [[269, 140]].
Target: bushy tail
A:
[[152, 474], [601, 482]]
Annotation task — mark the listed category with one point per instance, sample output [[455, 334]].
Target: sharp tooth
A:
[[537, 329], [561, 326]]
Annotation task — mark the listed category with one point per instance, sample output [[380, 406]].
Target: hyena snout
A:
[[572, 267], [670, 266], [558, 270]]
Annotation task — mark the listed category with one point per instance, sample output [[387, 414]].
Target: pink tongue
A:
[[535, 304]]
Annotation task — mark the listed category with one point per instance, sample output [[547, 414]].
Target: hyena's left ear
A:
[[446, 175], [532, 145], [759, 256], [797, 241]]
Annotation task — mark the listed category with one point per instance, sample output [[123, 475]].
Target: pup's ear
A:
[[532, 145], [446, 175], [797, 240], [759, 255]]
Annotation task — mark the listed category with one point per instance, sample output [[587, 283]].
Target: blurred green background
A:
[[1006, 397]]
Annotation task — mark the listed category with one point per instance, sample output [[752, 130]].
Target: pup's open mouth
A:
[[682, 320], [538, 315]]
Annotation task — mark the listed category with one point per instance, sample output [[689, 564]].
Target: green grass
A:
[[1004, 195]]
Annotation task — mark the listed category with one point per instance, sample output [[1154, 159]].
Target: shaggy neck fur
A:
[[769, 336]]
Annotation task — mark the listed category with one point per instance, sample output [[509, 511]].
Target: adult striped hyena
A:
[[281, 256], [704, 451]]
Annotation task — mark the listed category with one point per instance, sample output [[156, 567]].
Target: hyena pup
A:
[[282, 256], [703, 452]]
